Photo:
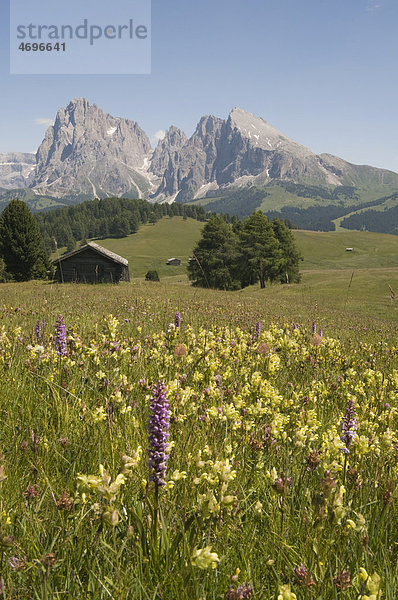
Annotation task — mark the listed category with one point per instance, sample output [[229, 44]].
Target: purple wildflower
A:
[[38, 331], [349, 426], [258, 329], [244, 591], [60, 336], [313, 327], [177, 320], [158, 426], [304, 577], [320, 333], [16, 563]]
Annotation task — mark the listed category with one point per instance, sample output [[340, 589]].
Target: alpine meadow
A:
[[165, 441], [199, 300]]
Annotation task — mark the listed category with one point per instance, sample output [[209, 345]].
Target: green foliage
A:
[[21, 244], [230, 257], [289, 263], [215, 257], [152, 276], [240, 202], [4, 276], [261, 254], [385, 221], [109, 217]]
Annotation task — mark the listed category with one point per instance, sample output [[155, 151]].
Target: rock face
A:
[[16, 169], [242, 149], [191, 165], [89, 153]]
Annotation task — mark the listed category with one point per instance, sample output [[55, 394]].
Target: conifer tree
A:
[[289, 263], [21, 244], [260, 250], [214, 258]]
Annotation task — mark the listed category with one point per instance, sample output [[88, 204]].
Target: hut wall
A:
[[91, 267]]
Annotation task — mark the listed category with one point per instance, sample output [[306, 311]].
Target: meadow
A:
[[269, 419]]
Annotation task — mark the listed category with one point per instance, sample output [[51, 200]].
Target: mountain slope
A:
[[224, 156], [16, 169]]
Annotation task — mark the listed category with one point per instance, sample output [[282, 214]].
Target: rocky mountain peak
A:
[[95, 149], [167, 149]]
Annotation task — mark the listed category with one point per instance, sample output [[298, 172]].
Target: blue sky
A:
[[322, 71]]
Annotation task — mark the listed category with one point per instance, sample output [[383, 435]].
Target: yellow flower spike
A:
[[373, 584], [177, 475], [363, 574], [285, 593], [203, 558]]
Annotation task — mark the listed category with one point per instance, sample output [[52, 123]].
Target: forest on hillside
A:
[[109, 217], [385, 221]]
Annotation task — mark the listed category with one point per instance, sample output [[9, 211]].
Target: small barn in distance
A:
[[175, 262], [91, 263]]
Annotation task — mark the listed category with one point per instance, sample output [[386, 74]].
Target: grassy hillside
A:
[[326, 270], [328, 250], [152, 245], [176, 237], [36, 203], [278, 194]]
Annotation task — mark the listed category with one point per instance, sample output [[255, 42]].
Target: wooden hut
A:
[[175, 262], [91, 263]]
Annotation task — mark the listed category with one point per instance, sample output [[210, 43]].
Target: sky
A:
[[324, 72]]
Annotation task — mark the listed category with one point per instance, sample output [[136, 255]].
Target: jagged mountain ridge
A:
[[92, 154], [88, 153], [16, 169]]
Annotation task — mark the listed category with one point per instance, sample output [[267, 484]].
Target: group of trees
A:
[[108, 217], [229, 255], [379, 221], [22, 252], [232, 256]]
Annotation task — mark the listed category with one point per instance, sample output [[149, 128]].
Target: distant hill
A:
[[108, 217], [152, 245]]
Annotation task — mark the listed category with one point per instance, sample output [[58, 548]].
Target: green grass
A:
[[327, 250], [326, 270], [267, 409], [152, 245]]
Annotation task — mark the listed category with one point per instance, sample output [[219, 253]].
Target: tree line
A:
[[379, 221], [230, 256], [108, 217]]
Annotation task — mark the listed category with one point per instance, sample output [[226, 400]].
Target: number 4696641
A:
[[42, 47]]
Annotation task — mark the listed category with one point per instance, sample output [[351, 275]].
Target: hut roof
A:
[[112, 255]]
